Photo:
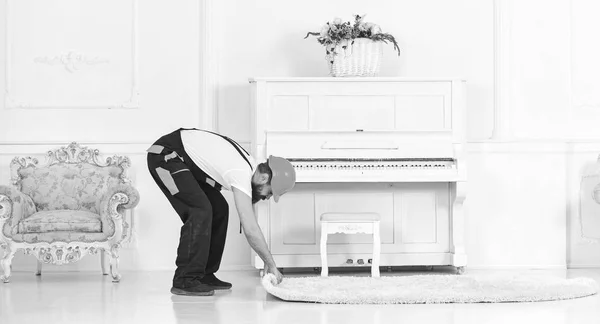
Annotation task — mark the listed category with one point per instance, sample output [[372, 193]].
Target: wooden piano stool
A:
[[366, 223]]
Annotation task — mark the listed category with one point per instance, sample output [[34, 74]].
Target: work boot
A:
[[214, 282]]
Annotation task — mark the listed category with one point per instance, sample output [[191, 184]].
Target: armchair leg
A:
[[114, 264], [39, 268], [103, 262], [6, 263]]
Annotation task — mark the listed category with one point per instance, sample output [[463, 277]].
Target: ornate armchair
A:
[[72, 206]]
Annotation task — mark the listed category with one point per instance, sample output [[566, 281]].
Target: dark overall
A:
[[197, 200]]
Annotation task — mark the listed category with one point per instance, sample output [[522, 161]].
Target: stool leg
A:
[[324, 269], [376, 250]]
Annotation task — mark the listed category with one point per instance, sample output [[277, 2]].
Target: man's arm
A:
[[254, 235]]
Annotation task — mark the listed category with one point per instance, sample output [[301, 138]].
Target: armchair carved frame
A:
[[112, 204]]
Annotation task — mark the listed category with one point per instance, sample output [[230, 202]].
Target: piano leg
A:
[[324, 268], [459, 257], [376, 250]]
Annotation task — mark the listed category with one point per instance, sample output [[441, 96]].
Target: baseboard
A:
[[474, 267], [516, 267], [468, 267], [222, 268], [251, 268], [583, 266], [238, 268]]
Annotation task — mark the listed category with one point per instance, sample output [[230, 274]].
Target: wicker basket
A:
[[362, 58]]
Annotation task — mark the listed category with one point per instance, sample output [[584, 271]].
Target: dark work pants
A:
[[203, 210]]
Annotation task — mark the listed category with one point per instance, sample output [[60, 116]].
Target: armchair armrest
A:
[[15, 206], [117, 199], [596, 193]]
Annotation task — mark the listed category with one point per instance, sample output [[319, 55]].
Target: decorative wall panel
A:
[[71, 54]]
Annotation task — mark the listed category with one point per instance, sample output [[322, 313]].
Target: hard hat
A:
[[284, 176]]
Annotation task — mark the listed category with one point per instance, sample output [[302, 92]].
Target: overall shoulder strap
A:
[[235, 144]]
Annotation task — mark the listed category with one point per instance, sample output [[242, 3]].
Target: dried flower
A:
[[341, 33], [375, 29], [324, 31], [359, 18]]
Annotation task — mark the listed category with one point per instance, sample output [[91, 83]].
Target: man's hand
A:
[[275, 272]]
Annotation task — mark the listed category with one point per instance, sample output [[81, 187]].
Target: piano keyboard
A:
[[371, 164], [373, 170]]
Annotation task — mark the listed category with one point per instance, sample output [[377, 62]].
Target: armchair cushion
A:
[[61, 236], [61, 220]]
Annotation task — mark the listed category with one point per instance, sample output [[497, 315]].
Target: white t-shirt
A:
[[219, 159]]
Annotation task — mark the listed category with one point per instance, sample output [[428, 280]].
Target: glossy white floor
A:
[[143, 297]]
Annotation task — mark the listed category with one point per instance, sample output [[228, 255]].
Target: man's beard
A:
[[256, 195]]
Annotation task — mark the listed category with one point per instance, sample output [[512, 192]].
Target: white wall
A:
[[531, 101], [531, 104], [163, 49]]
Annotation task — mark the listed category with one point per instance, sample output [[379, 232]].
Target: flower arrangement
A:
[[337, 33]]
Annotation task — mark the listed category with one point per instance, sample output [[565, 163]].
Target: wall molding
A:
[[104, 147], [70, 61], [521, 147], [209, 66]]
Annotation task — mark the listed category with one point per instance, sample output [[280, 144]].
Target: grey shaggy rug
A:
[[428, 289]]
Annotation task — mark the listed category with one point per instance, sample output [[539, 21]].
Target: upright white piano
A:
[[390, 146]]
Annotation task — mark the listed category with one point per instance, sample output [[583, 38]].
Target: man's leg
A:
[[220, 220], [193, 207], [218, 237]]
